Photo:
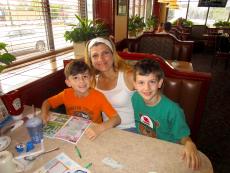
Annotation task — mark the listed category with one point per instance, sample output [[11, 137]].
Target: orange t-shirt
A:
[[89, 107]]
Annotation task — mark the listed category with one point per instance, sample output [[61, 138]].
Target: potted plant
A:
[[183, 22], [135, 25], [151, 23], [83, 31], [5, 57], [222, 24], [187, 23]]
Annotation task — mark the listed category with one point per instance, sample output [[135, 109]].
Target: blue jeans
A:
[[132, 129]]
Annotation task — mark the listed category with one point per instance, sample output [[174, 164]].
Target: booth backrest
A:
[[164, 45], [198, 31], [188, 89], [181, 32]]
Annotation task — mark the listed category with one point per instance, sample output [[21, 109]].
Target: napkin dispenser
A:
[[13, 103]]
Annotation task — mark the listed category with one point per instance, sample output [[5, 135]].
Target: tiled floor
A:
[[22, 76]]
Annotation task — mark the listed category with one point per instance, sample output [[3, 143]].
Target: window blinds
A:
[[33, 27]]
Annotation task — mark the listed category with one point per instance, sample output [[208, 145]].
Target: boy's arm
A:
[[112, 122], [190, 153], [97, 129], [45, 111]]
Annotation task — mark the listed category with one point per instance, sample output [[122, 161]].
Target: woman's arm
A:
[[97, 129], [112, 122], [128, 77]]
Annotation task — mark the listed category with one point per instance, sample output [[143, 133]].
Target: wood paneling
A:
[[104, 9]]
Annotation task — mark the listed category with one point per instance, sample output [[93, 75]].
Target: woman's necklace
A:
[[110, 77], [107, 82]]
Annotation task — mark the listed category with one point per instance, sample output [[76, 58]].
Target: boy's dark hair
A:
[[167, 26], [75, 67], [146, 67]]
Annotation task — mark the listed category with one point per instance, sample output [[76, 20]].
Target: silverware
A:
[[31, 158]]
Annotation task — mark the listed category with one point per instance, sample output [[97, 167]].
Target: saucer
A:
[[4, 142]]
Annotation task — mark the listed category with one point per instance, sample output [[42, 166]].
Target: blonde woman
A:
[[113, 77]]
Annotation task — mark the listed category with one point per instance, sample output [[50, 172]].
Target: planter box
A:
[[79, 49]]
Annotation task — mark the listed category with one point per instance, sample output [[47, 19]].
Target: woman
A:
[[113, 77]]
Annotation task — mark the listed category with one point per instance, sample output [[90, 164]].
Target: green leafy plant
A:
[[136, 24], [151, 22], [183, 22], [5, 57], [85, 30], [224, 24], [187, 23]]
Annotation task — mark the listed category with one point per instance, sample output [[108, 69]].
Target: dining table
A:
[[181, 65], [133, 153]]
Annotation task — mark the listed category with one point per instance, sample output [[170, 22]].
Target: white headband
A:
[[99, 40]]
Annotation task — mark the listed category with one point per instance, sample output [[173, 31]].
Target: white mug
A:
[[9, 164]]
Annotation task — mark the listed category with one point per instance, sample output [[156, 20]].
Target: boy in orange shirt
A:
[[82, 100]]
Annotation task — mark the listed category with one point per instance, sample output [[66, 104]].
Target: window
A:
[[174, 14], [137, 7], [197, 14], [218, 14], [142, 8], [34, 27], [189, 9]]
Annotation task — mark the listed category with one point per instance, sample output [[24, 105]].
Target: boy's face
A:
[[80, 83], [148, 86]]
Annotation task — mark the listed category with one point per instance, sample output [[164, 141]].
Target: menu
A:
[[66, 128], [62, 164], [55, 123]]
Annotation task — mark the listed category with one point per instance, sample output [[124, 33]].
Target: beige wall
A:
[[120, 28], [120, 24], [162, 12]]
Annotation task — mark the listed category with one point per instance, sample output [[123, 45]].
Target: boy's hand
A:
[[94, 130], [191, 155], [45, 118], [45, 111]]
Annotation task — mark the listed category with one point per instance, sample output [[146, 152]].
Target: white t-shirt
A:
[[120, 98]]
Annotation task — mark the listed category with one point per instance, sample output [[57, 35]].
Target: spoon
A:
[[31, 158]]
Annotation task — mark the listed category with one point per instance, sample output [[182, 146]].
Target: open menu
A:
[[66, 128], [55, 123], [62, 164]]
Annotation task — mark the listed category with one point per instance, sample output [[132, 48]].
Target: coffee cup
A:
[[34, 127], [9, 164]]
